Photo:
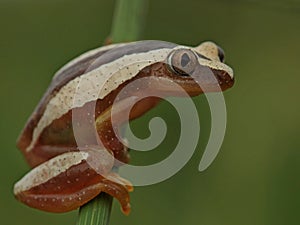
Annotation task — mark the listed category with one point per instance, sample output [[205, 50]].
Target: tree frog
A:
[[62, 178]]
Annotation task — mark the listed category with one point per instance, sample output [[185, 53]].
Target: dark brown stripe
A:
[[80, 68], [202, 56], [92, 62], [131, 48]]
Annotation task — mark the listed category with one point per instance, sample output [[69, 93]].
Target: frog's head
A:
[[199, 69]]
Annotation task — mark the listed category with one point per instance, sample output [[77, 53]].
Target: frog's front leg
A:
[[108, 129], [69, 180], [109, 122]]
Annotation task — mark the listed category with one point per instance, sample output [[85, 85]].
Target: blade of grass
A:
[[128, 21], [97, 211], [127, 26]]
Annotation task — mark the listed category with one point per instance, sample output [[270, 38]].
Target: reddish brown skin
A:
[[58, 138], [55, 194]]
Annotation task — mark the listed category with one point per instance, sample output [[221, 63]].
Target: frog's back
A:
[[79, 66], [74, 68]]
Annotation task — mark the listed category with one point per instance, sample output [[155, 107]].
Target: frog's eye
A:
[[182, 61], [221, 54]]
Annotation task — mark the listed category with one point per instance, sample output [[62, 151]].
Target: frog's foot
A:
[[119, 188], [70, 180]]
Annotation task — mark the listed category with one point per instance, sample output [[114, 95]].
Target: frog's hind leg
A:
[[70, 180]]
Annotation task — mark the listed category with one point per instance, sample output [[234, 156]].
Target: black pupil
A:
[[185, 59]]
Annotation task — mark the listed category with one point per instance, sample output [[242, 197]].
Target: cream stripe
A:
[[86, 55], [49, 169], [216, 65], [94, 85], [99, 82]]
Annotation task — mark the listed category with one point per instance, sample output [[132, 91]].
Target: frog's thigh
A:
[[68, 181]]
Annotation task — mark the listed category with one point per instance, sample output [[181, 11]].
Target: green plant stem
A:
[[127, 26], [97, 211], [128, 21]]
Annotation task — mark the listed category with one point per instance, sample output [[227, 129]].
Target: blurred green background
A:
[[255, 178]]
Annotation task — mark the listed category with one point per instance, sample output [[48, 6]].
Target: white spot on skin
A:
[[99, 82], [86, 55], [49, 170], [111, 75]]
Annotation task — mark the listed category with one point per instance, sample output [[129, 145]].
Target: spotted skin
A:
[[64, 178]]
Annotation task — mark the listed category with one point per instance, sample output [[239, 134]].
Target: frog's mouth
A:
[[224, 79], [212, 80], [202, 79]]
